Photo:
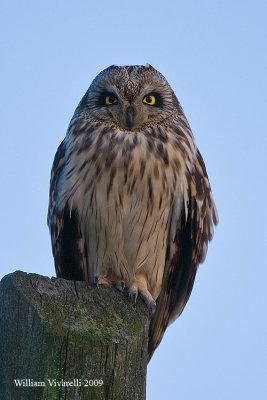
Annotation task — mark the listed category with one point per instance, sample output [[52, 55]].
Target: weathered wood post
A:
[[69, 340]]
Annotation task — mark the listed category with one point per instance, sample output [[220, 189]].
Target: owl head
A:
[[130, 98]]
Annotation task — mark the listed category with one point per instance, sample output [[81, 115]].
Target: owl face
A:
[[130, 98]]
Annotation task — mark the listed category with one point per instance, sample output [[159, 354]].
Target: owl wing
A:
[[66, 238], [190, 230]]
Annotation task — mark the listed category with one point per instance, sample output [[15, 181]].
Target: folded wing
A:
[[189, 234]]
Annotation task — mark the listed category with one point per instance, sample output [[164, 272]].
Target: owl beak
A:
[[129, 117]]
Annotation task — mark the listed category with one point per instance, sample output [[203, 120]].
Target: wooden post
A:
[[69, 340]]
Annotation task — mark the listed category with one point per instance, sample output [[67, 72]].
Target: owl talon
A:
[[133, 296], [120, 286], [153, 307], [96, 281]]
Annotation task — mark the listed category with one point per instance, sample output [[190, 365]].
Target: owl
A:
[[130, 201]]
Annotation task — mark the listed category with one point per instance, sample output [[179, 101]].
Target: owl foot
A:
[[101, 280], [139, 286], [109, 280]]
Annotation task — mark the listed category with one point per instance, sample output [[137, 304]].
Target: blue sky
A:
[[213, 54]]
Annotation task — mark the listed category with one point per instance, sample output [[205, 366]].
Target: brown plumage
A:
[[130, 201]]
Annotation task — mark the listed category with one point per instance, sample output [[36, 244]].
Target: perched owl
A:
[[130, 200]]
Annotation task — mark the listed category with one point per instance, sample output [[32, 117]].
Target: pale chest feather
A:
[[124, 195], [120, 168]]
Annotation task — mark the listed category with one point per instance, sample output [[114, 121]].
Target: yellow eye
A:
[[111, 99], [151, 100]]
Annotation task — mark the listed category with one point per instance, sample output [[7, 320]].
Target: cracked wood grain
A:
[[58, 332]]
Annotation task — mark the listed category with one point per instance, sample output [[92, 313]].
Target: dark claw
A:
[[133, 297], [96, 281], [153, 308], [120, 286]]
